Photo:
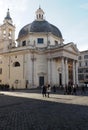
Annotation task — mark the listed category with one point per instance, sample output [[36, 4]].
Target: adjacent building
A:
[[40, 57], [83, 68]]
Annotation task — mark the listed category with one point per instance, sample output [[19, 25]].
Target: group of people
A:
[[70, 89], [46, 89]]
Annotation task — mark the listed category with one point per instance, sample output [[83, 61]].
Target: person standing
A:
[[54, 88], [74, 89], [83, 89], [48, 90], [44, 91]]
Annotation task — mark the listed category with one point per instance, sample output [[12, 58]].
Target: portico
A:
[[62, 70]]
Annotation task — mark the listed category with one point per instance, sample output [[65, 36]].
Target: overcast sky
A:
[[70, 16]]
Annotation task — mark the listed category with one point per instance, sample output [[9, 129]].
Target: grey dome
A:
[[39, 26]]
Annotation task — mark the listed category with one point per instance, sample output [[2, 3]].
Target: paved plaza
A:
[[28, 110]]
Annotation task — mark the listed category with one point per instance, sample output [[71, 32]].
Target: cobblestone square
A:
[[30, 111]]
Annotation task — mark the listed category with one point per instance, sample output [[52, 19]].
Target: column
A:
[[30, 71], [74, 72], [51, 78], [33, 70], [63, 70], [53, 71], [9, 66], [49, 71], [66, 71]]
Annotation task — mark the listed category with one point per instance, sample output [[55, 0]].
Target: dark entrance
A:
[[60, 78], [41, 80]]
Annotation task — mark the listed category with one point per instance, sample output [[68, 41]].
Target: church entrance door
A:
[[60, 79], [41, 80]]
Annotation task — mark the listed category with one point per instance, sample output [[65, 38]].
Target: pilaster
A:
[[66, 71], [49, 71], [74, 70], [63, 71]]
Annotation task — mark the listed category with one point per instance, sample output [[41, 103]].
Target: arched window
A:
[[39, 15], [4, 33], [16, 64]]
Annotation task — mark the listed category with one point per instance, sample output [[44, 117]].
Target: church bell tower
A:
[[7, 33]]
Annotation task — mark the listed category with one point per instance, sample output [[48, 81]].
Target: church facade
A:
[[40, 56]]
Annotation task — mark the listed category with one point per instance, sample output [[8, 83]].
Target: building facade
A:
[[40, 56], [83, 68]]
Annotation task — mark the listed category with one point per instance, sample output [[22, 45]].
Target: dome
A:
[[38, 27]]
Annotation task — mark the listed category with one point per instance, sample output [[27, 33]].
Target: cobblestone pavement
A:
[[25, 110]]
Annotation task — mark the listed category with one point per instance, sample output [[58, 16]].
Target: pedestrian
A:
[[82, 89], [54, 88], [65, 90], [44, 91], [48, 90], [69, 89], [74, 89]]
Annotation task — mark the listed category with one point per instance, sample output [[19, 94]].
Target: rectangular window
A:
[[81, 77], [0, 80], [24, 43], [40, 40], [56, 43], [85, 63], [86, 77], [85, 70], [80, 64], [0, 70], [80, 70], [80, 58], [0, 62], [85, 56]]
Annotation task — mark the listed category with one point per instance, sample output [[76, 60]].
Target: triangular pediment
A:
[[71, 47]]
